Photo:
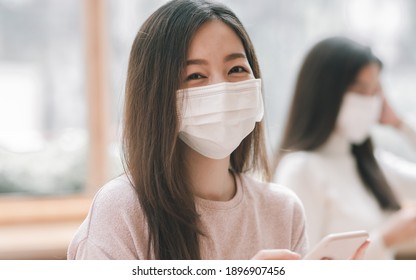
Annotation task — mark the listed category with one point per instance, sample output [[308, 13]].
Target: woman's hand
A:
[[360, 253], [400, 228], [388, 116], [276, 254]]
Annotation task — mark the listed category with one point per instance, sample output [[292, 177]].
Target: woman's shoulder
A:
[[112, 216], [269, 191], [277, 207], [117, 192], [121, 186]]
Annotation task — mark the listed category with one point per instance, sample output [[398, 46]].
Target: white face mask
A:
[[358, 114], [216, 118]]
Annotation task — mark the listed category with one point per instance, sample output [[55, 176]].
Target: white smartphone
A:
[[338, 246]]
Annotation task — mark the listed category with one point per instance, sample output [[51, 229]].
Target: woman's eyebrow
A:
[[227, 58], [196, 61], [233, 56]]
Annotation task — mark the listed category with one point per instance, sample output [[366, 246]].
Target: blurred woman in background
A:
[[327, 155]]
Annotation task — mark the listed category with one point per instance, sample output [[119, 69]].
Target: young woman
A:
[[192, 130], [326, 154]]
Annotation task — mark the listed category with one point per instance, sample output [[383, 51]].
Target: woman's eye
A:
[[237, 69], [194, 76]]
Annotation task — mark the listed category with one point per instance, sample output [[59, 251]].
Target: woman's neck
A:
[[336, 145], [210, 179]]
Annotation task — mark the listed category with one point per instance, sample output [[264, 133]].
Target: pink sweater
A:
[[260, 216]]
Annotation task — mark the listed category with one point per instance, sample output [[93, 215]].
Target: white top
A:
[[333, 194], [259, 216]]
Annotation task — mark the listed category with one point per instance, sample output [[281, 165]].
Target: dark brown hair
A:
[[327, 72], [151, 147]]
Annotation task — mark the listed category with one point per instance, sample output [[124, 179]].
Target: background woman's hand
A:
[[400, 228], [276, 254], [388, 116]]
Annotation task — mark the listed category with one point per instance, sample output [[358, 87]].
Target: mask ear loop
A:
[[260, 114], [181, 107]]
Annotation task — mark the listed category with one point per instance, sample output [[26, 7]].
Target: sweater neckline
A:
[[224, 205]]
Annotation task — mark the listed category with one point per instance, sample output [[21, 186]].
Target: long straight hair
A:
[[151, 150], [327, 72]]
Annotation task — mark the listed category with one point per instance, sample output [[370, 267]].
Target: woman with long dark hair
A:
[[326, 154], [192, 131]]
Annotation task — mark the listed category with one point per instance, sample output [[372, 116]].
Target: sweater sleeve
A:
[[299, 236], [111, 227], [401, 173], [377, 250], [294, 172], [408, 129]]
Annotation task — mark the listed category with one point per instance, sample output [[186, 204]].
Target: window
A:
[[54, 139], [43, 139]]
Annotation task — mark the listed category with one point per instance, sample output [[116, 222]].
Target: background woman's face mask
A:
[[214, 119], [358, 114]]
